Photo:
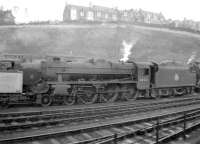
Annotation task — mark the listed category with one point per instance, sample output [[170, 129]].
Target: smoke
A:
[[126, 49], [192, 58]]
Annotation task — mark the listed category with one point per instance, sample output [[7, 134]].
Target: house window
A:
[[125, 14], [90, 15], [73, 14], [114, 17], [106, 16], [98, 14], [81, 13]]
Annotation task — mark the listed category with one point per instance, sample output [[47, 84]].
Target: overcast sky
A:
[[31, 10]]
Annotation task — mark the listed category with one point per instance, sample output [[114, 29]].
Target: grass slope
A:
[[100, 41]]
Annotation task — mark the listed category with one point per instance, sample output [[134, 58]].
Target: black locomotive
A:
[[101, 81]]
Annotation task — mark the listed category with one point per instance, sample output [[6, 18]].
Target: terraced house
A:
[[93, 13], [96, 13], [6, 17]]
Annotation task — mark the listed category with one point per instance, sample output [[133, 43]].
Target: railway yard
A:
[[55, 100], [98, 74], [141, 121]]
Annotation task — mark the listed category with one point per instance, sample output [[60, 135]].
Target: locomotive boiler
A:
[[85, 82]]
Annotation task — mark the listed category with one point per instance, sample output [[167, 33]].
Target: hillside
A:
[[100, 41]]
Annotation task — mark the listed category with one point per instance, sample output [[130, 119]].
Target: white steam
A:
[[192, 58], [126, 50]]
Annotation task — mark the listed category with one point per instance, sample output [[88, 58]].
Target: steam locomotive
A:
[[94, 81]]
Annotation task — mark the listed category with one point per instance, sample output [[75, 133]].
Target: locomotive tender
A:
[[48, 82]]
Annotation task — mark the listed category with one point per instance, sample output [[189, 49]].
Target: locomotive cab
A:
[[145, 73]]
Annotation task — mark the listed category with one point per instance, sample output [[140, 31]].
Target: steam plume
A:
[[192, 58], [126, 50]]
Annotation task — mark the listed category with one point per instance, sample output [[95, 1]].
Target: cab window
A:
[[146, 71]]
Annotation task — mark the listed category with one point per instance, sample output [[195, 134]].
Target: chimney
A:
[[90, 4]]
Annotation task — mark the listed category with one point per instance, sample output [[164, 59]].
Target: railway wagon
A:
[[11, 86], [174, 79]]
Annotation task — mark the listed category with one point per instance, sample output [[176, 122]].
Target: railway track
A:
[[156, 132], [46, 119], [105, 131], [25, 111], [89, 128]]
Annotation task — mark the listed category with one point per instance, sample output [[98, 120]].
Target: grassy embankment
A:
[[103, 41]]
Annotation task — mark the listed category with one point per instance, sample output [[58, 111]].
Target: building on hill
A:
[[74, 13], [189, 24], [6, 17], [125, 16], [104, 14], [93, 14]]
